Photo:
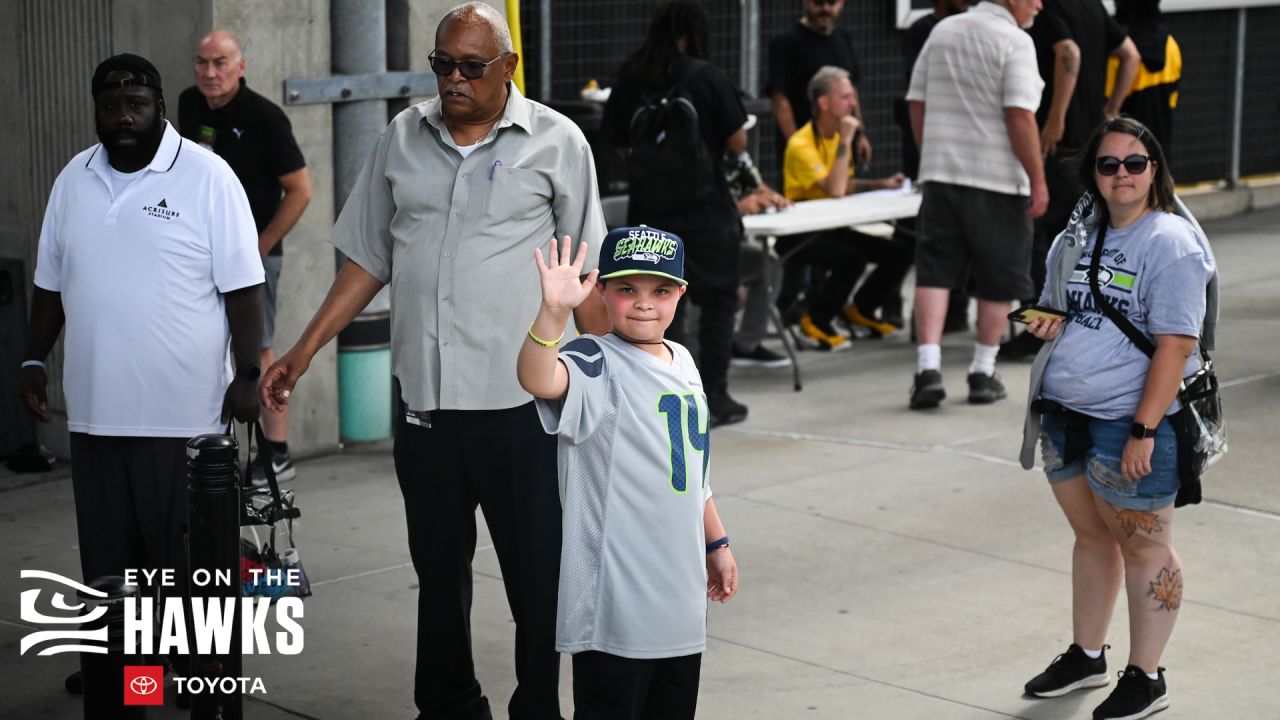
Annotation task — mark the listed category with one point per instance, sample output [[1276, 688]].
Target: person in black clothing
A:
[[814, 42], [1073, 39], [1154, 93], [255, 138], [674, 51]]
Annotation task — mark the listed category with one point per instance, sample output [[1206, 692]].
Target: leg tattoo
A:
[[1134, 520], [1167, 589]]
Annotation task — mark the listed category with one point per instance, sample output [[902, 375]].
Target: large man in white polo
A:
[[148, 255]]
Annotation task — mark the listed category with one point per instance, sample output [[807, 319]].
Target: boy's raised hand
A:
[[563, 287]]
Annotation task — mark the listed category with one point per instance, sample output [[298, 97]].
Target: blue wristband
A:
[[33, 363], [721, 543]]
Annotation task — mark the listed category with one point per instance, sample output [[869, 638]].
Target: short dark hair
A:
[[1161, 195]]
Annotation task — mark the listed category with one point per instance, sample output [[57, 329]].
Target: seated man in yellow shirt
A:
[[817, 165]]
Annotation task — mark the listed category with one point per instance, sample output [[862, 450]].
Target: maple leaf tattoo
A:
[[1134, 520], [1167, 589]]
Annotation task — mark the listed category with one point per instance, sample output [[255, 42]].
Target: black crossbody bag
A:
[[1199, 425]]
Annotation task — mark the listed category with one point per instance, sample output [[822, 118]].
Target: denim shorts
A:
[[1100, 464]]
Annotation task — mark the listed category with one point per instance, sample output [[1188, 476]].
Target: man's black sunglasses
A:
[[469, 69], [1134, 164]]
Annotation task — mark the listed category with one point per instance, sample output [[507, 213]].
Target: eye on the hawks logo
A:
[[70, 640], [143, 685]]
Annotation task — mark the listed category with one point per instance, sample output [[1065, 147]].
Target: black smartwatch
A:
[[1141, 432], [253, 372]]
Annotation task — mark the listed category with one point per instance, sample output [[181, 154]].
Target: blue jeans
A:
[[1100, 464]]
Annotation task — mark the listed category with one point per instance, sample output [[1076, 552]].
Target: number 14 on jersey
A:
[[687, 433]]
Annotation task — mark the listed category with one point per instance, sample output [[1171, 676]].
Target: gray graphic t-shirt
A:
[[1155, 272], [633, 458]]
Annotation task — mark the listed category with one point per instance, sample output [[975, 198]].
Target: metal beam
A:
[[348, 88]]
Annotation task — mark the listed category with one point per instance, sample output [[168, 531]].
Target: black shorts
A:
[[968, 232]]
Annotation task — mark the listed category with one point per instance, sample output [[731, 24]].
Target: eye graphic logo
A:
[[70, 640], [143, 685]]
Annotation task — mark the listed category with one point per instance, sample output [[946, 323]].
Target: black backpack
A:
[[669, 166]]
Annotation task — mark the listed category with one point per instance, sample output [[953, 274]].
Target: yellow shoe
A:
[[855, 316], [826, 338]]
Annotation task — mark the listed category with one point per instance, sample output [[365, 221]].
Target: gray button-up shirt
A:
[[455, 238]]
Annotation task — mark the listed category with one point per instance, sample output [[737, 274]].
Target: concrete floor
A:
[[895, 565]]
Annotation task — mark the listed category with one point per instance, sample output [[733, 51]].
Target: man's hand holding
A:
[[240, 401]]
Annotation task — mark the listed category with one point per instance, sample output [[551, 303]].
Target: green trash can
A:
[[364, 378]]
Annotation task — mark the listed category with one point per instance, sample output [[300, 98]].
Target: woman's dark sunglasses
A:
[[1107, 165], [469, 69]]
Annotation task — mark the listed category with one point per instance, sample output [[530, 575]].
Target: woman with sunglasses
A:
[[1099, 409]]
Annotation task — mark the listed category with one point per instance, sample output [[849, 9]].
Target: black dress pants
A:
[[502, 461], [609, 687], [131, 509], [712, 262]]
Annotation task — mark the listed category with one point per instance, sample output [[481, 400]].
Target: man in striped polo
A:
[[974, 93]]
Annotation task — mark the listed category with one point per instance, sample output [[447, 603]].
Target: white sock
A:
[[1154, 676], [984, 359], [1093, 654], [928, 357]]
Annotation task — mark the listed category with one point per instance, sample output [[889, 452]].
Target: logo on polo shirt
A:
[[161, 210]]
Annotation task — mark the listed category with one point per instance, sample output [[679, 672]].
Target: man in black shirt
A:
[[256, 139], [795, 55], [1073, 40], [674, 53]]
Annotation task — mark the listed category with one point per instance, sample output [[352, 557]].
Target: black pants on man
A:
[[131, 508], [711, 265], [502, 461], [609, 687], [131, 503]]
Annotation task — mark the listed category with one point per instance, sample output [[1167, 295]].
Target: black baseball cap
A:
[[144, 73], [642, 251]]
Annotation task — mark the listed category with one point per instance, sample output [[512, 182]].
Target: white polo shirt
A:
[[141, 277], [973, 66]]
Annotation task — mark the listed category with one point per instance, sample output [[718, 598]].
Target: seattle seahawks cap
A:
[[642, 251]]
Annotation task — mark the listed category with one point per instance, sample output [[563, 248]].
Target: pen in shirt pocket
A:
[[496, 164]]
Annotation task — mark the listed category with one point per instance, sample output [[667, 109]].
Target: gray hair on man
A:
[[473, 12], [821, 82]]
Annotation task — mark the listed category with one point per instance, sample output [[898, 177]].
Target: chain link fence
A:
[[589, 40]]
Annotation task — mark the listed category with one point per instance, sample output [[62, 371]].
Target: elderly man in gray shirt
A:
[[449, 208]]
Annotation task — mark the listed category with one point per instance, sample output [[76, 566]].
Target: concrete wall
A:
[[290, 40]]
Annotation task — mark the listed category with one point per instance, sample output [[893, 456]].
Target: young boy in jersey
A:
[[643, 545]]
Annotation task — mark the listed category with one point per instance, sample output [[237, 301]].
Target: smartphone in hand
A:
[[1028, 313]]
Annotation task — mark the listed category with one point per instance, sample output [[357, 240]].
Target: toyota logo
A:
[[143, 685]]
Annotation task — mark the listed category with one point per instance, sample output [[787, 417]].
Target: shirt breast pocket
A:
[[517, 194]]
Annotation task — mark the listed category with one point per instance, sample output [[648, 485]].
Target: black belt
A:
[[1076, 425]]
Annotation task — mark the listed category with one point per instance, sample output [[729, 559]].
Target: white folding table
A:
[[811, 216]]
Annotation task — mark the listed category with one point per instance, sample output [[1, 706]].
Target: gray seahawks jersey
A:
[[633, 459]]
